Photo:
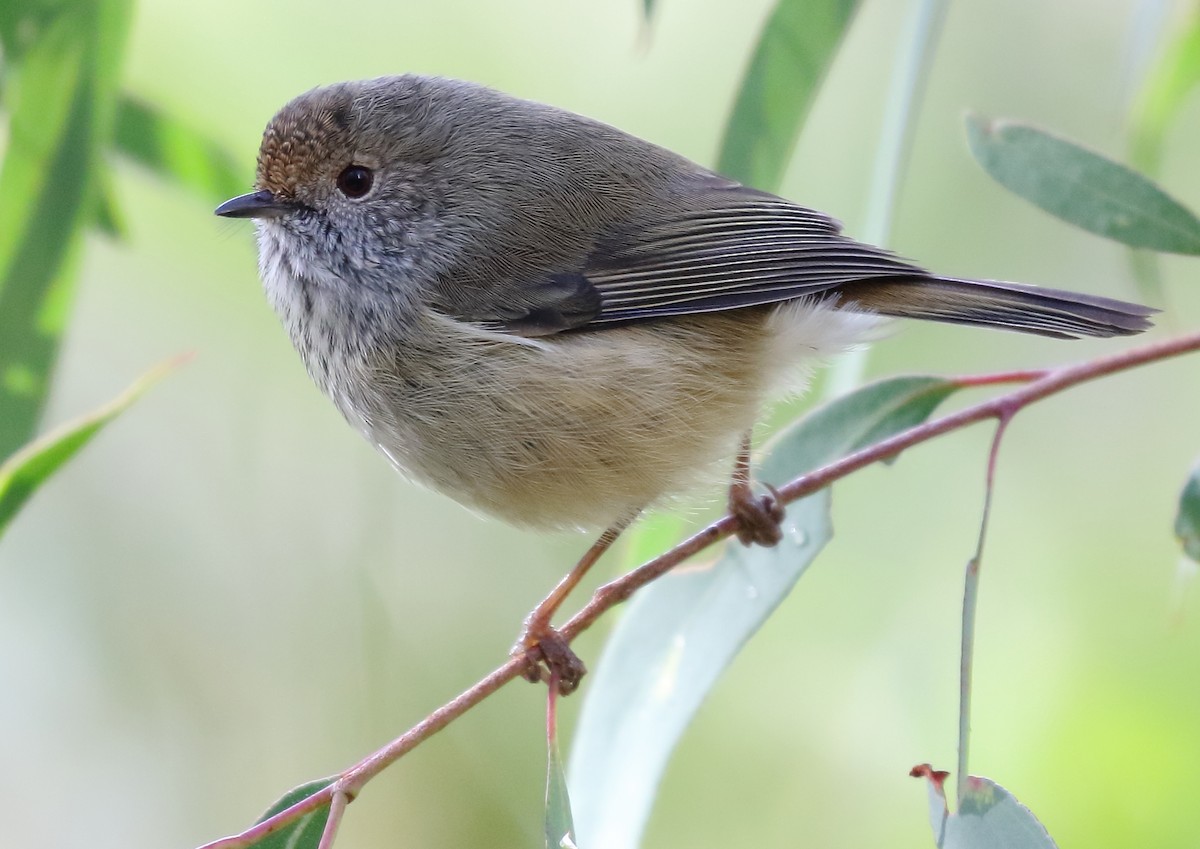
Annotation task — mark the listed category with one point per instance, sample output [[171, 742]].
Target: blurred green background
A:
[[229, 592]]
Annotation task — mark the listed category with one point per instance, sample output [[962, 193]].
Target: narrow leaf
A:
[[988, 816], [106, 213], [304, 833], [1169, 82], [61, 102], [680, 633], [21, 25], [1082, 187], [27, 469], [560, 830], [1171, 79], [1187, 520], [909, 73], [177, 152], [793, 53]]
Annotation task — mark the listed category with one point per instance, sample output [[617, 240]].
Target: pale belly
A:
[[580, 429]]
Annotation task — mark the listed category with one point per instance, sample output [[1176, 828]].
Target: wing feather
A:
[[721, 246], [738, 249]]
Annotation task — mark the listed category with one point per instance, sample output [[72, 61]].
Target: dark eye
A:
[[355, 181]]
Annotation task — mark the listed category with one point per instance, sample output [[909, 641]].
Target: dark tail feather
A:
[[995, 303]]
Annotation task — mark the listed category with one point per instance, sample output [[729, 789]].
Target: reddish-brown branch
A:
[[1038, 385], [975, 380]]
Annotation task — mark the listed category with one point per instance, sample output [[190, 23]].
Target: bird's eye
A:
[[355, 181]]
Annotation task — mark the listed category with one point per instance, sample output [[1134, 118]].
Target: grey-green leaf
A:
[[175, 151], [680, 633], [1082, 187], [795, 49], [61, 107], [1187, 520], [31, 466], [304, 833], [560, 829], [988, 817]]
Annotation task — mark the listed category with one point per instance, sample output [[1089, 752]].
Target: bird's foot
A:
[[759, 517], [547, 655]]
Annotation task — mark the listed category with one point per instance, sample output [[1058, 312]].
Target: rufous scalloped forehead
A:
[[308, 138]]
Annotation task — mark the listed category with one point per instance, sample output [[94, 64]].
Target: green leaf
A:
[[560, 829], [61, 101], [793, 53], [988, 817], [27, 469], [1187, 520], [304, 833], [177, 152], [680, 633], [647, 8], [1170, 81], [21, 24], [107, 215], [1082, 187]]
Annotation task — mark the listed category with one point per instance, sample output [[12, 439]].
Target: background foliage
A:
[[229, 593]]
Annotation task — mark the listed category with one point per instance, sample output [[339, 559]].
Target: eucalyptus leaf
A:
[[22, 23], [107, 215], [988, 817], [560, 829], [1187, 520], [177, 152], [304, 833], [1169, 83], [1082, 187], [29, 468], [793, 53], [679, 633], [60, 105], [1172, 78]]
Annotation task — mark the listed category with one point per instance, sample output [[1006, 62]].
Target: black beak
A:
[[261, 204]]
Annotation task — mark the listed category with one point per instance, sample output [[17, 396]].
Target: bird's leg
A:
[[758, 517], [540, 643]]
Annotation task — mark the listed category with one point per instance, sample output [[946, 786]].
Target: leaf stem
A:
[[970, 605], [337, 807]]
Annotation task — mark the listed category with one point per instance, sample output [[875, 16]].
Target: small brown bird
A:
[[558, 323]]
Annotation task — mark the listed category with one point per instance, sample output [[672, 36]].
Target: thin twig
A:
[[1038, 385]]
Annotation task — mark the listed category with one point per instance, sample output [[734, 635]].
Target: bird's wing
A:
[[728, 247], [732, 247], [747, 250]]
